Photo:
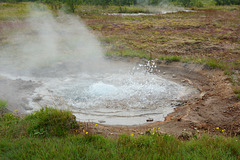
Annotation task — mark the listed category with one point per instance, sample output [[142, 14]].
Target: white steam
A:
[[50, 44], [163, 7]]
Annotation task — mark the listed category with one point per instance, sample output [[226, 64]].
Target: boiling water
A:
[[119, 98]]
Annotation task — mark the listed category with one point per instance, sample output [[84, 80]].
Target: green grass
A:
[[3, 104], [238, 96], [213, 63], [124, 147], [128, 53], [171, 58], [13, 11], [237, 90]]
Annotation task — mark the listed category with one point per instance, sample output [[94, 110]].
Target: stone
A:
[[159, 61], [101, 121], [37, 99], [149, 120]]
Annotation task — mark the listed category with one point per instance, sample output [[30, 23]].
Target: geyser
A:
[[64, 62]]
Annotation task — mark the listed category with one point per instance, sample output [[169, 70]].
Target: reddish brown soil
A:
[[216, 106]]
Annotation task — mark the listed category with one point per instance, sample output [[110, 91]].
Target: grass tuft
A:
[[3, 104], [213, 63], [47, 122], [51, 122]]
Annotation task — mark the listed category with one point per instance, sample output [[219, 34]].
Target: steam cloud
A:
[[162, 7], [51, 45]]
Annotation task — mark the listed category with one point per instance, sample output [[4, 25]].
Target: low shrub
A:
[[51, 122], [3, 104], [47, 122]]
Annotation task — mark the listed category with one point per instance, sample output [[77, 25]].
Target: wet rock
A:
[[159, 61], [101, 121], [167, 62], [149, 120], [37, 99], [177, 103], [207, 67], [27, 108], [185, 65]]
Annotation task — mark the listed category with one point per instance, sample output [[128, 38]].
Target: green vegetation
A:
[[171, 58], [236, 90], [51, 122], [47, 122], [13, 11], [37, 137], [125, 147], [128, 53], [3, 104]]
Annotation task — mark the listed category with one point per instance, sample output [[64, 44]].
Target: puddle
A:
[[149, 14]]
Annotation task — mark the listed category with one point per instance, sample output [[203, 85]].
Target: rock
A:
[[174, 76], [185, 65], [37, 99], [27, 108], [101, 121], [159, 61], [201, 96], [99, 132], [164, 73], [183, 81], [167, 62], [149, 120]]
